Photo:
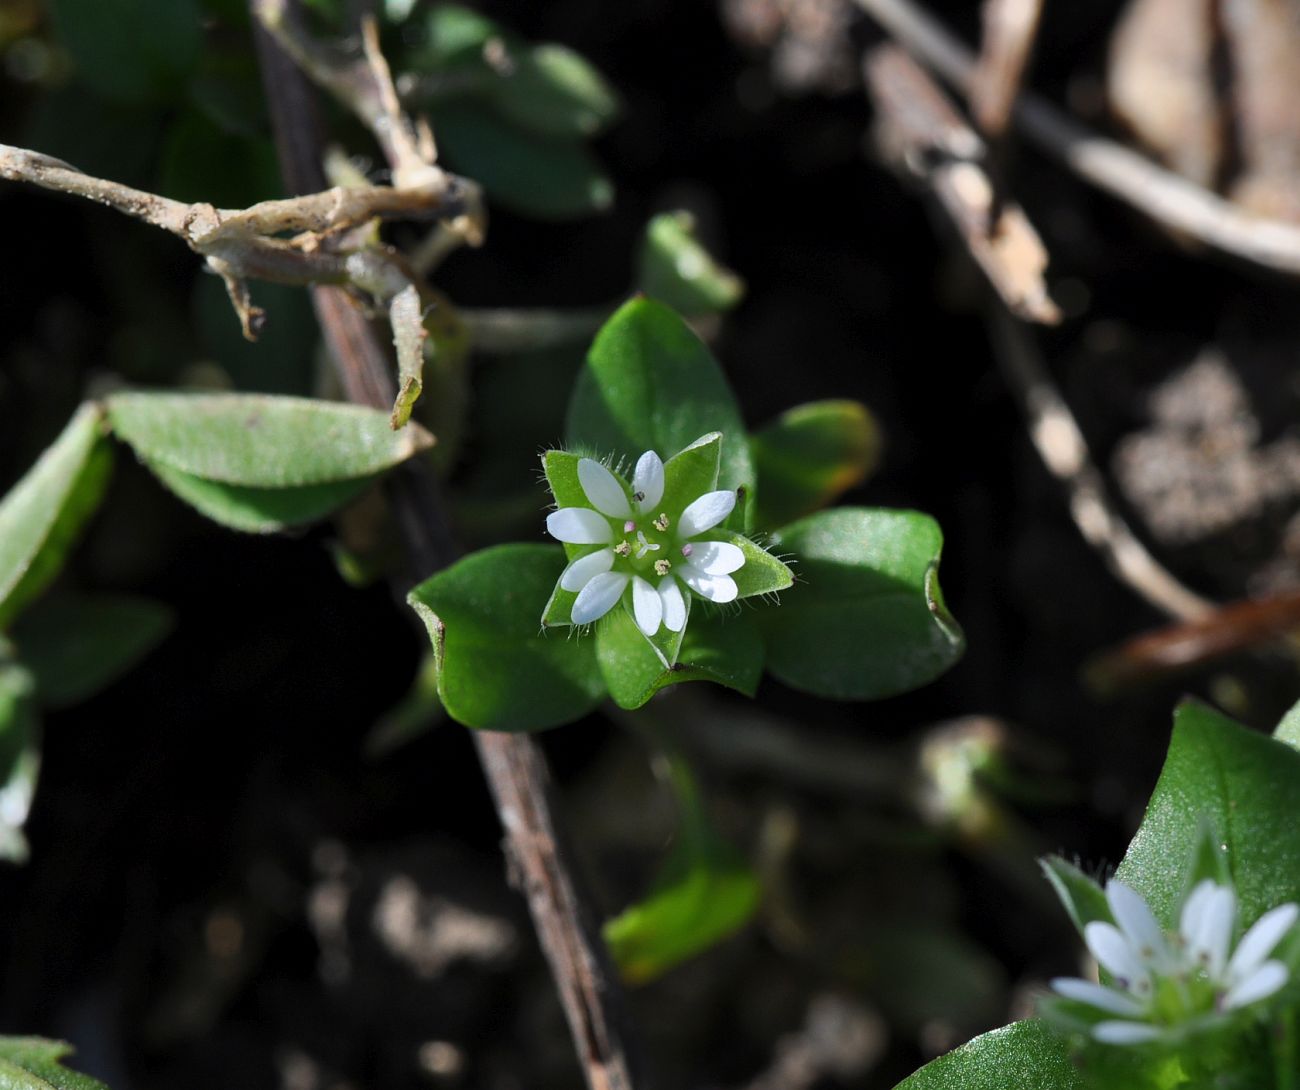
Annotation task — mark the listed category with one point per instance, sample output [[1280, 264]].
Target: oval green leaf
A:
[[43, 514], [496, 669], [866, 619], [261, 441], [552, 91], [810, 455], [1022, 1056], [651, 384], [1246, 786], [35, 1063], [676, 269]]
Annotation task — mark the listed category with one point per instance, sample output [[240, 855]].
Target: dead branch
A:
[[929, 139], [1165, 197], [1061, 445], [1009, 29], [588, 986]]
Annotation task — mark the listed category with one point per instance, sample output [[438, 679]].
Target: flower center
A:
[[644, 548]]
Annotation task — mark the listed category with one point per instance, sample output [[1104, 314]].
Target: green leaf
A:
[[651, 384], [867, 618], [77, 646], [526, 173], [809, 456], [1247, 787], [1083, 898], [674, 268], [20, 758], [705, 893], [258, 510], [261, 441], [552, 91], [453, 31], [418, 711], [43, 514], [726, 650], [201, 161], [34, 1063], [133, 51], [1022, 1056], [1288, 730], [496, 669]]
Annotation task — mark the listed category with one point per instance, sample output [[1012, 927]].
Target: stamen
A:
[[623, 548], [687, 549], [662, 567], [629, 527], [638, 496], [661, 523]]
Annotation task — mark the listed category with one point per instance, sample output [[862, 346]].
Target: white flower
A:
[[648, 554], [1168, 984]]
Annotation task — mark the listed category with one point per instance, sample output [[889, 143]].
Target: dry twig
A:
[[1009, 29], [1168, 199], [928, 137], [1060, 443], [513, 764]]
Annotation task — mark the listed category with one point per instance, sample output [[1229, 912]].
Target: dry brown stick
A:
[[516, 772], [927, 136], [1061, 445], [1166, 197], [1009, 30]]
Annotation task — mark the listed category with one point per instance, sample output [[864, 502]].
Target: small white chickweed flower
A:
[[1165, 985], [645, 552]]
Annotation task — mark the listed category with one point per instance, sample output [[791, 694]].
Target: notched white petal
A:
[[579, 526], [1208, 944], [599, 596], [648, 481], [1260, 984], [581, 572], [603, 489], [1137, 923], [1097, 995], [1112, 950], [1259, 941], [716, 588], [705, 513], [716, 557], [1125, 1033], [670, 594], [647, 607]]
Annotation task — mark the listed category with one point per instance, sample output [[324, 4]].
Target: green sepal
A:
[[1082, 897], [691, 472], [762, 573], [495, 669]]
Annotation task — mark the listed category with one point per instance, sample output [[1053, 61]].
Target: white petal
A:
[[1260, 984], [1208, 944], [716, 588], [705, 513], [1259, 941], [1137, 924], [670, 594], [648, 479], [581, 572], [646, 606], [1124, 1033], [1113, 952], [579, 526], [602, 488], [716, 557], [1107, 999], [1189, 920], [599, 596]]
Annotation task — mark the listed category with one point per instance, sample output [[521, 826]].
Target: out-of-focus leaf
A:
[[131, 50], [417, 712], [496, 669], [676, 269], [651, 384], [866, 619], [1247, 787], [202, 161], [1022, 1056], [525, 172], [35, 1063], [809, 456], [281, 360], [75, 647], [705, 893], [44, 512], [259, 441], [20, 759], [1082, 897], [552, 91], [452, 32]]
